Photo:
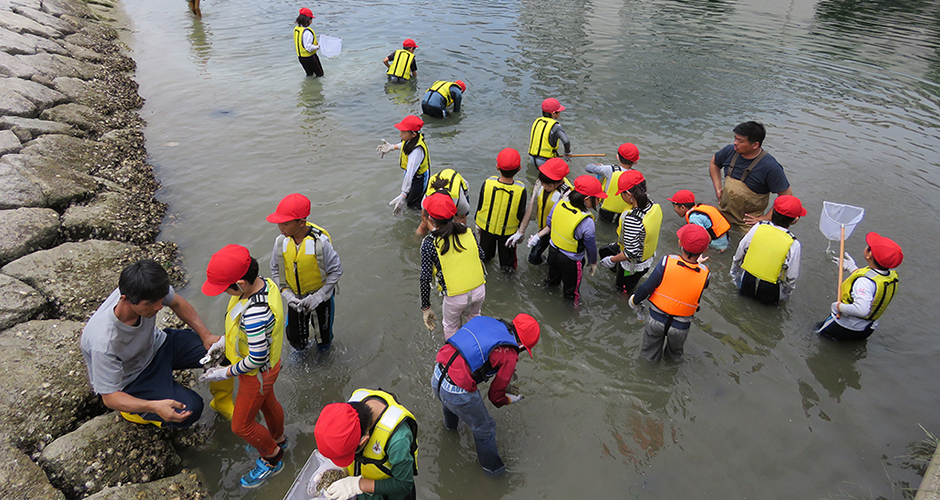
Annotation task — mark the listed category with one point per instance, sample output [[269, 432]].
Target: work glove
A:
[[534, 240], [513, 240], [214, 355], [848, 263], [513, 398], [398, 204], [639, 309], [429, 319], [608, 262], [383, 148], [309, 303], [216, 374], [344, 489], [290, 298]]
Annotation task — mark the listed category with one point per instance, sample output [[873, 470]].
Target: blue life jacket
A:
[[477, 339]]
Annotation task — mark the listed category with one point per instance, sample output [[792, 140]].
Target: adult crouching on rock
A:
[[131, 361]]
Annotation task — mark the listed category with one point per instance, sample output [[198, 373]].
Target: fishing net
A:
[[835, 216]]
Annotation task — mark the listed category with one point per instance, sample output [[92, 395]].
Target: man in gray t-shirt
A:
[[131, 361]]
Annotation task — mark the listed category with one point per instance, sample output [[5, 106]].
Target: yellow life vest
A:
[[298, 41], [443, 87], [614, 202], [372, 462], [303, 265], [767, 252], [681, 288], [545, 201], [455, 182], [652, 221], [463, 270], [538, 138], [499, 208], [886, 287], [565, 220], [401, 64], [236, 342], [425, 163]]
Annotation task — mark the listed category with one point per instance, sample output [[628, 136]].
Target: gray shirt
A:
[[115, 352]]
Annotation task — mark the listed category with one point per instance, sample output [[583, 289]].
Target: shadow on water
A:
[[405, 94], [199, 46]]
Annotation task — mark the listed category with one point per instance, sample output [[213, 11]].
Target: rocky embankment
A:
[[76, 205]]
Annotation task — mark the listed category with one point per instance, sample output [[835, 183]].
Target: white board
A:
[[330, 46]]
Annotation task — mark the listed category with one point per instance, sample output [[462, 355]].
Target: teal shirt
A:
[[399, 486]]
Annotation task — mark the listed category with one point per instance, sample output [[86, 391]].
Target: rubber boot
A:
[[222, 401]]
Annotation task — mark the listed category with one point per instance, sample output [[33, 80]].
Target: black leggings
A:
[[493, 244], [312, 65]]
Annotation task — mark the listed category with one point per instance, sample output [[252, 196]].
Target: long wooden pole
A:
[[841, 254]]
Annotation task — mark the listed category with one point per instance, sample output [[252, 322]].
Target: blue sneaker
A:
[[262, 471]]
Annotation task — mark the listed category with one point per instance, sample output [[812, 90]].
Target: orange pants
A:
[[252, 397]]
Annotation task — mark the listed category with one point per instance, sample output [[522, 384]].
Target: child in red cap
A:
[[674, 290], [638, 232], [451, 254], [767, 263], [401, 63], [374, 437], [451, 182], [254, 333], [414, 160], [500, 209], [311, 271], [866, 293], [547, 132], [305, 44], [707, 216], [573, 237], [551, 188], [441, 95], [611, 208]]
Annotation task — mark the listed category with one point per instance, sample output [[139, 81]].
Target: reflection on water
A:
[[848, 92]]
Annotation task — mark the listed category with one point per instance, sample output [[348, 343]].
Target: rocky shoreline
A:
[[76, 205]]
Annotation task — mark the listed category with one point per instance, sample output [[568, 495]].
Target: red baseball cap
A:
[[508, 159], [683, 196], [629, 152], [693, 238], [527, 329], [628, 179], [886, 252], [337, 433], [440, 206], [411, 123], [789, 205], [226, 266], [306, 12], [588, 185], [462, 85], [555, 169], [409, 44], [292, 207], [551, 105]]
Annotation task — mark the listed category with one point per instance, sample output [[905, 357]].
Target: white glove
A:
[[639, 309], [216, 374], [513, 398], [398, 204], [514, 240], [290, 298], [608, 262], [215, 354], [848, 263], [309, 303], [315, 47], [429, 319], [534, 240], [383, 148], [344, 489]]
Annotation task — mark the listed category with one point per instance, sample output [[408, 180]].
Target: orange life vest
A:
[[681, 288], [720, 225]]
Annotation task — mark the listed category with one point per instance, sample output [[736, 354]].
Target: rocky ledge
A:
[[76, 205]]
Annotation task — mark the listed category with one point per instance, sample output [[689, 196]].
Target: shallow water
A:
[[760, 408]]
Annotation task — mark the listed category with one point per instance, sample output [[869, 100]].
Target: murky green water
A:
[[760, 408]]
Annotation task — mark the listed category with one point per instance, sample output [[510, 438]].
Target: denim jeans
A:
[[459, 404]]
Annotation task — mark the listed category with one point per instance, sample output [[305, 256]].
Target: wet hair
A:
[[365, 416], [303, 20], [144, 280], [639, 194], [446, 231], [250, 276], [780, 219], [625, 161], [753, 131], [410, 144], [511, 173], [578, 200]]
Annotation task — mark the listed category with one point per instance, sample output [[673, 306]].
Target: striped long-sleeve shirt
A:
[[632, 236], [257, 322]]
